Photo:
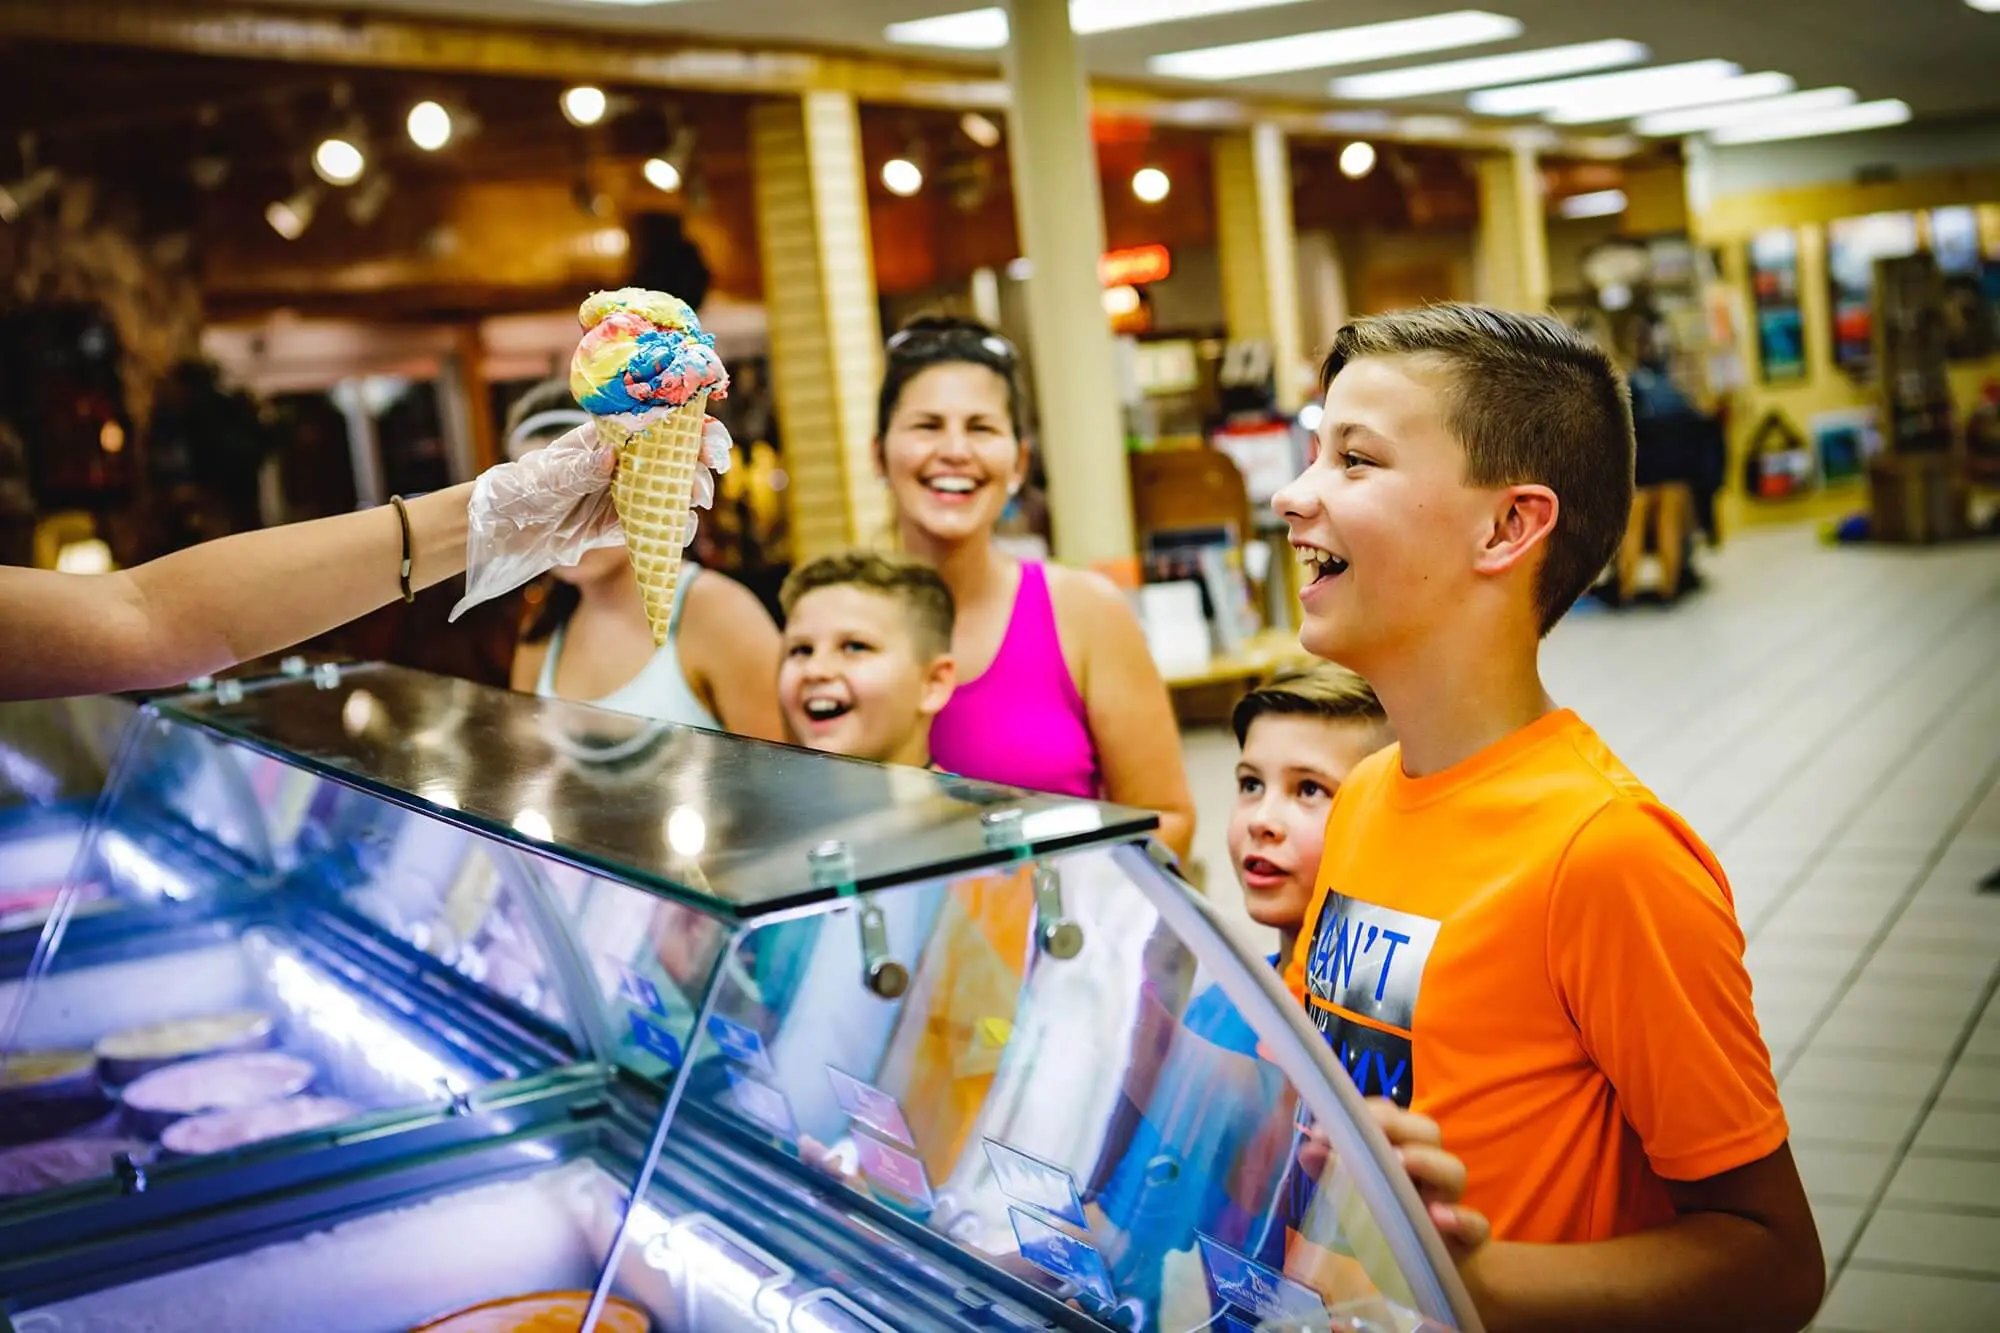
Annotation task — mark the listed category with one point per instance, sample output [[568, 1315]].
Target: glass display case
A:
[[548, 1018], [54, 755]]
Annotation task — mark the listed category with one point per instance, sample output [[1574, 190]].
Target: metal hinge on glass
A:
[[1058, 936], [832, 865]]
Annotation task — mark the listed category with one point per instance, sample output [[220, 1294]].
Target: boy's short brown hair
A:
[[916, 586], [1532, 402], [1322, 690]]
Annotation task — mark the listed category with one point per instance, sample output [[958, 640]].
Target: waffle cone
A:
[[654, 492]]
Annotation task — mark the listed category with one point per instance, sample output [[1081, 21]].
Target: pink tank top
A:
[[1022, 723]]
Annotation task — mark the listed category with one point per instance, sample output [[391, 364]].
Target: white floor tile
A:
[[1871, 1300], [1947, 1182], [1904, 1238], [1957, 1130]]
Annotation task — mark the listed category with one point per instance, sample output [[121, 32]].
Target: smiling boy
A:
[[867, 658], [1509, 933]]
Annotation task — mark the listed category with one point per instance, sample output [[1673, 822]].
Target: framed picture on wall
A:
[[1774, 293], [1852, 247]]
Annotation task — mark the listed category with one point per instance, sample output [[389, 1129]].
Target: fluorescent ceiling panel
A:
[[1811, 124], [1339, 46], [1645, 102], [972, 30], [1695, 120], [1529, 98], [1488, 71], [1596, 204], [986, 29]]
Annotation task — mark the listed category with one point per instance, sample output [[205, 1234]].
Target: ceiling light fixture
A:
[[338, 161], [1150, 185], [661, 174], [1811, 124], [1595, 204], [1455, 76], [429, 125], [1646, 102], [902, 177], [1695, 120], [290, 217], [584, 105], [1529, 98], [1357, 159], [986, 29], [1985, 6], [980, 129], [1339, 46]]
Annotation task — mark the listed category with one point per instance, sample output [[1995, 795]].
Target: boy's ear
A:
[[1522, 520], [940, 681]]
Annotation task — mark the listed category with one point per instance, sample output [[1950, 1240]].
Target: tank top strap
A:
[[545, 683], [1033, 643]]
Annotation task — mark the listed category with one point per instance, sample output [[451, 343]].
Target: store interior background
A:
[[201, 333]]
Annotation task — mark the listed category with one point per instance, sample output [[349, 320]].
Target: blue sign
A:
[[1248, 1285], [739, 1043], [655, 1040], [1061, 1254], [640, 992]]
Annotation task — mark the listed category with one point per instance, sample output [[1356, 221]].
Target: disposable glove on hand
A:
[[550, 508]]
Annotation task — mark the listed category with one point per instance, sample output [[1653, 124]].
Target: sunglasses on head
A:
[[925, 344]]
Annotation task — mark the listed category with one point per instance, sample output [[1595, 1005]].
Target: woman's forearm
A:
[[210, 606], [254, 593]]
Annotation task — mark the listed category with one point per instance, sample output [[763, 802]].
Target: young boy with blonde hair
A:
[[1509, 933], [867, 658]]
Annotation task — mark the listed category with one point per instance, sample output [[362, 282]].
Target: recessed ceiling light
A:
[[1644, 102], [1488, 71], [1339, 46], [1529, 98], [1985, 6], [1694, 120], [1151, 185], [986, 29], [1840, 120]]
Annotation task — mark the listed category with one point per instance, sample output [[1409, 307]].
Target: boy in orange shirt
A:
[[1509, 933]]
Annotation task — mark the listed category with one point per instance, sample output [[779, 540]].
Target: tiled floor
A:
[[1829, 719]]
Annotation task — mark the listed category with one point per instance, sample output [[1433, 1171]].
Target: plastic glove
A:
[[715, 457], [550, 508]]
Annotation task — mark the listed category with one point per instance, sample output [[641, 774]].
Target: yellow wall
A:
[[1730, 222]]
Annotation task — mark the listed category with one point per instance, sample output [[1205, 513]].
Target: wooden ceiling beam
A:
[[381, 41]]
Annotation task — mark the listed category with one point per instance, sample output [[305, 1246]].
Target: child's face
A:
[[1285, 778], [853, 680], [1383, 511]]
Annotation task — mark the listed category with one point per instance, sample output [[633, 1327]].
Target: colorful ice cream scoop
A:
[[642, 350]]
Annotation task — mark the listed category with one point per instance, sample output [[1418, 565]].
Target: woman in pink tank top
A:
[[1058, 691]]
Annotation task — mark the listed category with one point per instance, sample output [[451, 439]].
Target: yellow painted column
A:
[[1258, 244], [1513, 235], [1061, 217], [826, 334]]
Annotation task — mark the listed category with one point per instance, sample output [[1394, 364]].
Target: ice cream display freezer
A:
[[550, 1018]]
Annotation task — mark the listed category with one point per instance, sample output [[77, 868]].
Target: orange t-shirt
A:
[[1533, 951]]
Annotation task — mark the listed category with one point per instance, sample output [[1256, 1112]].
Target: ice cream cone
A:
[[658, 452]]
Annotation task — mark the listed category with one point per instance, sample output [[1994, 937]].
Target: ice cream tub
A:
[[213, 1083], [46, 1093], [127, 1055], [547, 1312], [223, 1131], [35, 1167]]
